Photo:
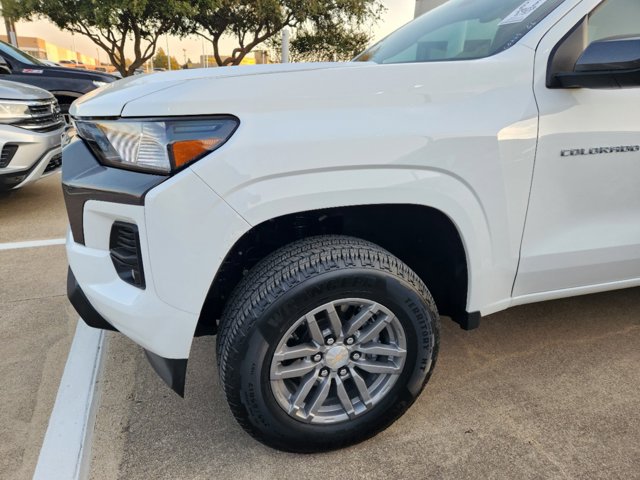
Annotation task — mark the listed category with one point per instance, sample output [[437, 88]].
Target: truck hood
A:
[[20, 91], [111, 100]]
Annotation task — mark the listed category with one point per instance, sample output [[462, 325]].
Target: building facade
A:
[[423, 6], [43, 50]]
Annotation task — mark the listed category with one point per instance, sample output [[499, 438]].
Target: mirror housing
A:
[[4, 67], [609, 63]]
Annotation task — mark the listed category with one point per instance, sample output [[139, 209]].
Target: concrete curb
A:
[[66, 450]]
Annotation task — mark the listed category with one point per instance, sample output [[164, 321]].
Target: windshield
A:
[[461, 30], [21, 56]]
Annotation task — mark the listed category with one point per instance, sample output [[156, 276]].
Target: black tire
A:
[[290, 283]]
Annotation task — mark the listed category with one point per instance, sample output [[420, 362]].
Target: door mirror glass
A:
[[608, 63]]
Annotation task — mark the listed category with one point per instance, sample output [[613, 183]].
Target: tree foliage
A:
[[322, 29], [338, 43], [115, 26], [161, 61], [333, 28]]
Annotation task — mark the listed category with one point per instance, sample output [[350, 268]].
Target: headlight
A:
[[155, 146], [99, 84], [12, 112]]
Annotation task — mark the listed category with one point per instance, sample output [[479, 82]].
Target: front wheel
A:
[[325, 343]]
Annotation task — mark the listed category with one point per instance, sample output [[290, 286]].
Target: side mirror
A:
[[609, 63], [4, 67]]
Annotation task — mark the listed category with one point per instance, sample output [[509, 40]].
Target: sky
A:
[[398, 13]]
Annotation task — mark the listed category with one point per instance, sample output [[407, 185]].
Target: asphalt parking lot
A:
[[540, 391], [36, 322]]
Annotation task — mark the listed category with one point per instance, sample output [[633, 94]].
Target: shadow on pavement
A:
[[540, 391]]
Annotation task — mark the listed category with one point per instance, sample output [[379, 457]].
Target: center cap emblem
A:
[[337, 357]]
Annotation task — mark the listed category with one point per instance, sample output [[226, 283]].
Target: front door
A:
[[583, 224]]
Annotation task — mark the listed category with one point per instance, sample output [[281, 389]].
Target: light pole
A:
[[11, 29], [204, 62], [168, 55], [285, 45]]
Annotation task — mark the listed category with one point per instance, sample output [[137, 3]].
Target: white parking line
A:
[[66, 450], [32, 244]]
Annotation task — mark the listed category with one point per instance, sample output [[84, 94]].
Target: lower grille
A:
[[7, 154], [54, 163], [124, 247]]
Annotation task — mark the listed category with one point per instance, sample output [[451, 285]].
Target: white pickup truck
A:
[[317, 217]]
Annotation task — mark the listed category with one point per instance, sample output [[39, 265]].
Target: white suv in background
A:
[[31, 128], [320, 217]]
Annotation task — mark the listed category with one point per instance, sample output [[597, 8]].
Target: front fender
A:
[[267, 198]]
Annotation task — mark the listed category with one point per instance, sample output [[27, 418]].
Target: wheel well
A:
[[422, 237]]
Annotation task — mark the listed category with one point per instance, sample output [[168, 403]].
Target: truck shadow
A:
[[539, 391]]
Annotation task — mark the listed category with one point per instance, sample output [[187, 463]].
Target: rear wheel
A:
[[325, 343]]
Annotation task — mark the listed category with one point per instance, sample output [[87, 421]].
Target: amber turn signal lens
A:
[[187, 151]]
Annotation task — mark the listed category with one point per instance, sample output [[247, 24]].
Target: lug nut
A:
[[329, 340], [350, 341], [317, 357], [342, 372], [355, 356], [324, 372]]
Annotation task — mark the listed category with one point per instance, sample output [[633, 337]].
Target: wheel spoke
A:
[[363, 391], [343, 396], [334, 321], [301, 394], [373, 348], [298, 351], [296, 369], [372, 331], [360, 319], [378, 367], [318, 398], [338, 361], [314, 329]]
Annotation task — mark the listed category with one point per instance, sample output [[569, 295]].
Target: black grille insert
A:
[[8, 152], [124, 247]]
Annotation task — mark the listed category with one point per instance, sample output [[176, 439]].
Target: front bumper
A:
[[185, 231], [173, 372], [37, 155]]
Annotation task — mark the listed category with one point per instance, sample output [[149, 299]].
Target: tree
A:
[[252, 22], [113, 25], [161, 61], [336, 43]]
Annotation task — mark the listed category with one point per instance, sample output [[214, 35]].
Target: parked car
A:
[[31, 128], [66, 84], [321, 217]]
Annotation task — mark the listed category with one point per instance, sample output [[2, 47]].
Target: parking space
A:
[[33, 213], [36, 323], [541, 391]]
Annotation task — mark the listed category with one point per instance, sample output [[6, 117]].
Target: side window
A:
[[614, 18]]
